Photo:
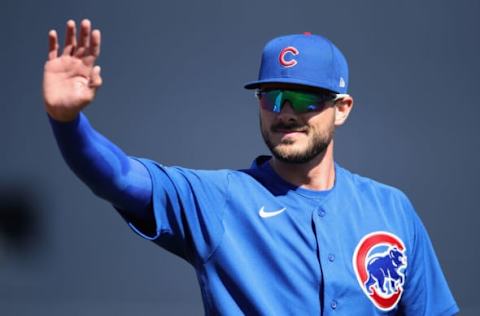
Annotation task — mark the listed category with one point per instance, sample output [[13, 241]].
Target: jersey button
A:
[[321, 212], [333, 304], [331, 257]]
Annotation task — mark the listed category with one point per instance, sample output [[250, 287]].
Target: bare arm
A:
[[70, 83]]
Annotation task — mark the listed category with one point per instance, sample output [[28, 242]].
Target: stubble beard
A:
[[317, 144]]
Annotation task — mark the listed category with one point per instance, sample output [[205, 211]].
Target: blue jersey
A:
[[261, 246]]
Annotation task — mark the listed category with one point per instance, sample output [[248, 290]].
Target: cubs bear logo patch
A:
[[379, 262]]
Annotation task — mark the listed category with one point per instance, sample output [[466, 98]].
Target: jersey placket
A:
[[327, 258]]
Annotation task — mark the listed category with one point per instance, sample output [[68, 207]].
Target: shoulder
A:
[[155, 167], [186, 179], [368, 188]]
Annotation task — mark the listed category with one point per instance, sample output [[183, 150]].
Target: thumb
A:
[[95, 78]]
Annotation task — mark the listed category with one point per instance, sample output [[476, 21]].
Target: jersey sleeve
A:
[[188, 208], [426, 289], [103, 166]]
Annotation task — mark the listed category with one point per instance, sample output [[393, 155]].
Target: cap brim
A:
[[256, 84]]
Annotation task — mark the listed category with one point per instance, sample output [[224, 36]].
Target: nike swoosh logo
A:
[[265, 214]]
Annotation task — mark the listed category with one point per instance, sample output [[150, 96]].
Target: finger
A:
[[70, 38], [84, 39], [95, 41], [95, 78], [52, 45]]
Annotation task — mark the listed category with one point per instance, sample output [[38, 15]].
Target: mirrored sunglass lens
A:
[[305, 102], [273, 100]]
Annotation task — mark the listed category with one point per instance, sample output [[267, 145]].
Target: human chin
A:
[[297, 149], [290, 152], [288, 149]]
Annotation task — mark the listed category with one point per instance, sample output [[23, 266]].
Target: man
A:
[[295, 234]]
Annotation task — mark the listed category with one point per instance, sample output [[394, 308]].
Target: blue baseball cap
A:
[[304, 59]]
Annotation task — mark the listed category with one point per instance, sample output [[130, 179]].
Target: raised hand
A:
[[71, 79]]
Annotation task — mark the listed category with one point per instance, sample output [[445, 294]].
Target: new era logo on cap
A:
[[304, 59]]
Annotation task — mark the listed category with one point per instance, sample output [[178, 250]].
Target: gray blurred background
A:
[[173, 75]]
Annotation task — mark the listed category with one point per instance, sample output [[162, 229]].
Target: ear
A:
[[342, 109]]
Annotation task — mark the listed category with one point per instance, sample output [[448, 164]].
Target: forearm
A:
[[104, 167]]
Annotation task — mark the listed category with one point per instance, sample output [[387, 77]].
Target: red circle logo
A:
[[379, 262], [288, 62]]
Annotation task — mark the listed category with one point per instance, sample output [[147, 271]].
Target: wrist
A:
[[61, 116], [65, 124]]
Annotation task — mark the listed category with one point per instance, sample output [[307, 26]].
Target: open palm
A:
[[72, 78]]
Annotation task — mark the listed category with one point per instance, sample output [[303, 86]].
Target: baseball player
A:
[[294, 234]]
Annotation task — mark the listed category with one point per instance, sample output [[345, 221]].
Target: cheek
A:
[[322, 119], [264, 125], [322, 127], [266, 118]]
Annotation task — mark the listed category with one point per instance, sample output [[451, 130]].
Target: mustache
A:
[[292, 127]]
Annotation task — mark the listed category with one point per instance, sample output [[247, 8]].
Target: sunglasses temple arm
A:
[[340, 96]]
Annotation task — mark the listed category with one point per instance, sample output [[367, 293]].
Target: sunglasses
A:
[[302, 102]]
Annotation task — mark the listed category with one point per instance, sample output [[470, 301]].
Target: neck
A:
[[317, 174]]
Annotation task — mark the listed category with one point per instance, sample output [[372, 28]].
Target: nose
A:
[[287, 113]]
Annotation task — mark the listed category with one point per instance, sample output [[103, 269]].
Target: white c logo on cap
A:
[[288, 63]]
